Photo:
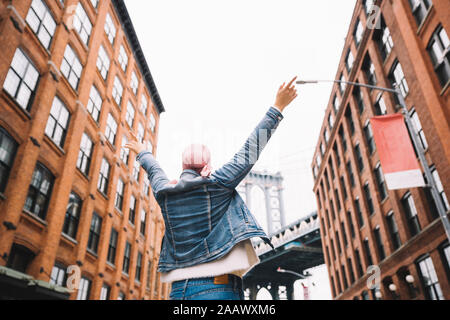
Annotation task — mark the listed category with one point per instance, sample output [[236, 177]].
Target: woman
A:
[[206, 247]]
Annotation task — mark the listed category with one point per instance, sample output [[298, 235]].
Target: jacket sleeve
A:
[[156, 174], [233, 172]]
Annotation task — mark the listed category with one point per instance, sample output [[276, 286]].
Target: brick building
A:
[[363, 223], [74, 81]]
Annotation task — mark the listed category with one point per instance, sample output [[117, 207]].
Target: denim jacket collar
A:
[[189, 173]]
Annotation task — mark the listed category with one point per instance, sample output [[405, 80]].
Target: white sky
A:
[[217, 66]]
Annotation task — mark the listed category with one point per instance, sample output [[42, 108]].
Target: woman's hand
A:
[[285, 95], [135, 145]]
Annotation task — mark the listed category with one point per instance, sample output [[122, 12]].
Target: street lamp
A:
[[280, 270], [413, 133]]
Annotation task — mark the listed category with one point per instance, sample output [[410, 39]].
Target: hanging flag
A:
[[397, 157]]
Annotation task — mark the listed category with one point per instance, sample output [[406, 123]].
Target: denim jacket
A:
[[205, 217]]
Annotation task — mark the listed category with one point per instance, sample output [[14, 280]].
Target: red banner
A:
[[397, 157]]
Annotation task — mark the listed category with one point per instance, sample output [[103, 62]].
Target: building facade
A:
[[73, 203], [363, 223]]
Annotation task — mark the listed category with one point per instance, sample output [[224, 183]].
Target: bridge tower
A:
[[271, 186]]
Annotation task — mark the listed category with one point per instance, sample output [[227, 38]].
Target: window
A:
[[117, 91], [336, 104], [344, 234], [368, 133], [383, 39], [72, 218], [144, 105], [330, 121], [380, 106], [379, 176], [368, 5], [358, 263], [318, 160], [58, 122], [411, 214], [85, 154], [111, 129], [94, 232], [350, 270], [110, 29], [367, 250], [350, 223], [350, 174], [143, 221], [379, 242], [41, 22], [332, 249], [397, 77], [140, 133], [71, 67], [429, 279], [146, 190], [365, 295], [393, 230], [134, 83], [39, 191], [84, 289], [439, 50], [152, 122], [326, 135], [21, 80], [82, 24], [440, 189], [350, 123], [344, 188], [342, 84], [358, 33], [103, 62], [369, 199], [124, 152], [95, 3], [322, 149], [8, 150], [338, 201], [126, 258], [359, 98], [95, 102], [359, 159], [336, 154], [136, 168], [138, 267], [359, 212], [349, 60], [129, 117], [103, 179], [121, 296], [132, 215], [105, 292], [418, 126], [58, 276], [445, 255], [112, 248], [342, 135], [420, 9], [149, 271], [119, 194], [344, 277], [369, 70], [123, 58]]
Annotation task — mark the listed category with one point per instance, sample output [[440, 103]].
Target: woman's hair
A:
[[196, 157]]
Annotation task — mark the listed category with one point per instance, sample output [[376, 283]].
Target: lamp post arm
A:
[[349, 82]]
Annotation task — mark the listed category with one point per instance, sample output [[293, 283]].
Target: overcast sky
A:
[[217, 66]]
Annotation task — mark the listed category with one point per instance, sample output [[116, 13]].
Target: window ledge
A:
[[67, 238], [445, 88], [110, 265], [2, 196], [425, 20], [35, 218], [92, 253], [24, 114], [83, 174], [54, 146]]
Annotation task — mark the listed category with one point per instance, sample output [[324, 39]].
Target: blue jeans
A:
[[205, 289]]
